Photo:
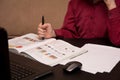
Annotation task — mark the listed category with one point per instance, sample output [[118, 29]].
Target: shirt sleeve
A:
[[114, 24], [68, 29]]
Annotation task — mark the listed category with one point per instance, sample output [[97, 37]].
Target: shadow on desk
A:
[[80, 42], [113, 75]]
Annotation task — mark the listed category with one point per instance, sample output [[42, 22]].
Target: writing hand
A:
[[46, 30]]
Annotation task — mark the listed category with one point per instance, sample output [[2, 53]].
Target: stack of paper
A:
[[99, 58]]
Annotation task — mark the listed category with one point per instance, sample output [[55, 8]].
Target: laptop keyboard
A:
[[19, 72]]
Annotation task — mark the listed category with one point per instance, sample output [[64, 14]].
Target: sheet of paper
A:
[[99, 58]]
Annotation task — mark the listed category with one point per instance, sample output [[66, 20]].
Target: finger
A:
[[41, 30], [42, 26], [40, 34]]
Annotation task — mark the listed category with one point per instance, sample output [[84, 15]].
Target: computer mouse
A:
[[72, 66]]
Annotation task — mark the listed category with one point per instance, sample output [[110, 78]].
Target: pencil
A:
[[43, 20]]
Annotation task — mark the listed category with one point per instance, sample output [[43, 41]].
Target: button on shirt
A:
[[84, 20]]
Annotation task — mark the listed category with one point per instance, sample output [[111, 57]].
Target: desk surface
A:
[[59, 74]]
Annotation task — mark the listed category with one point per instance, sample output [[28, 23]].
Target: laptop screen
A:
[[4, 55]]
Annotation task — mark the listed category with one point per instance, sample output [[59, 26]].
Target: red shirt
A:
[[84, 20]]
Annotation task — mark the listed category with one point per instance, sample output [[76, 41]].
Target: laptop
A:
[[4, 56], [18, 67]]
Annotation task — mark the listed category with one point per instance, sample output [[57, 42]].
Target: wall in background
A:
[[23, 16]]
